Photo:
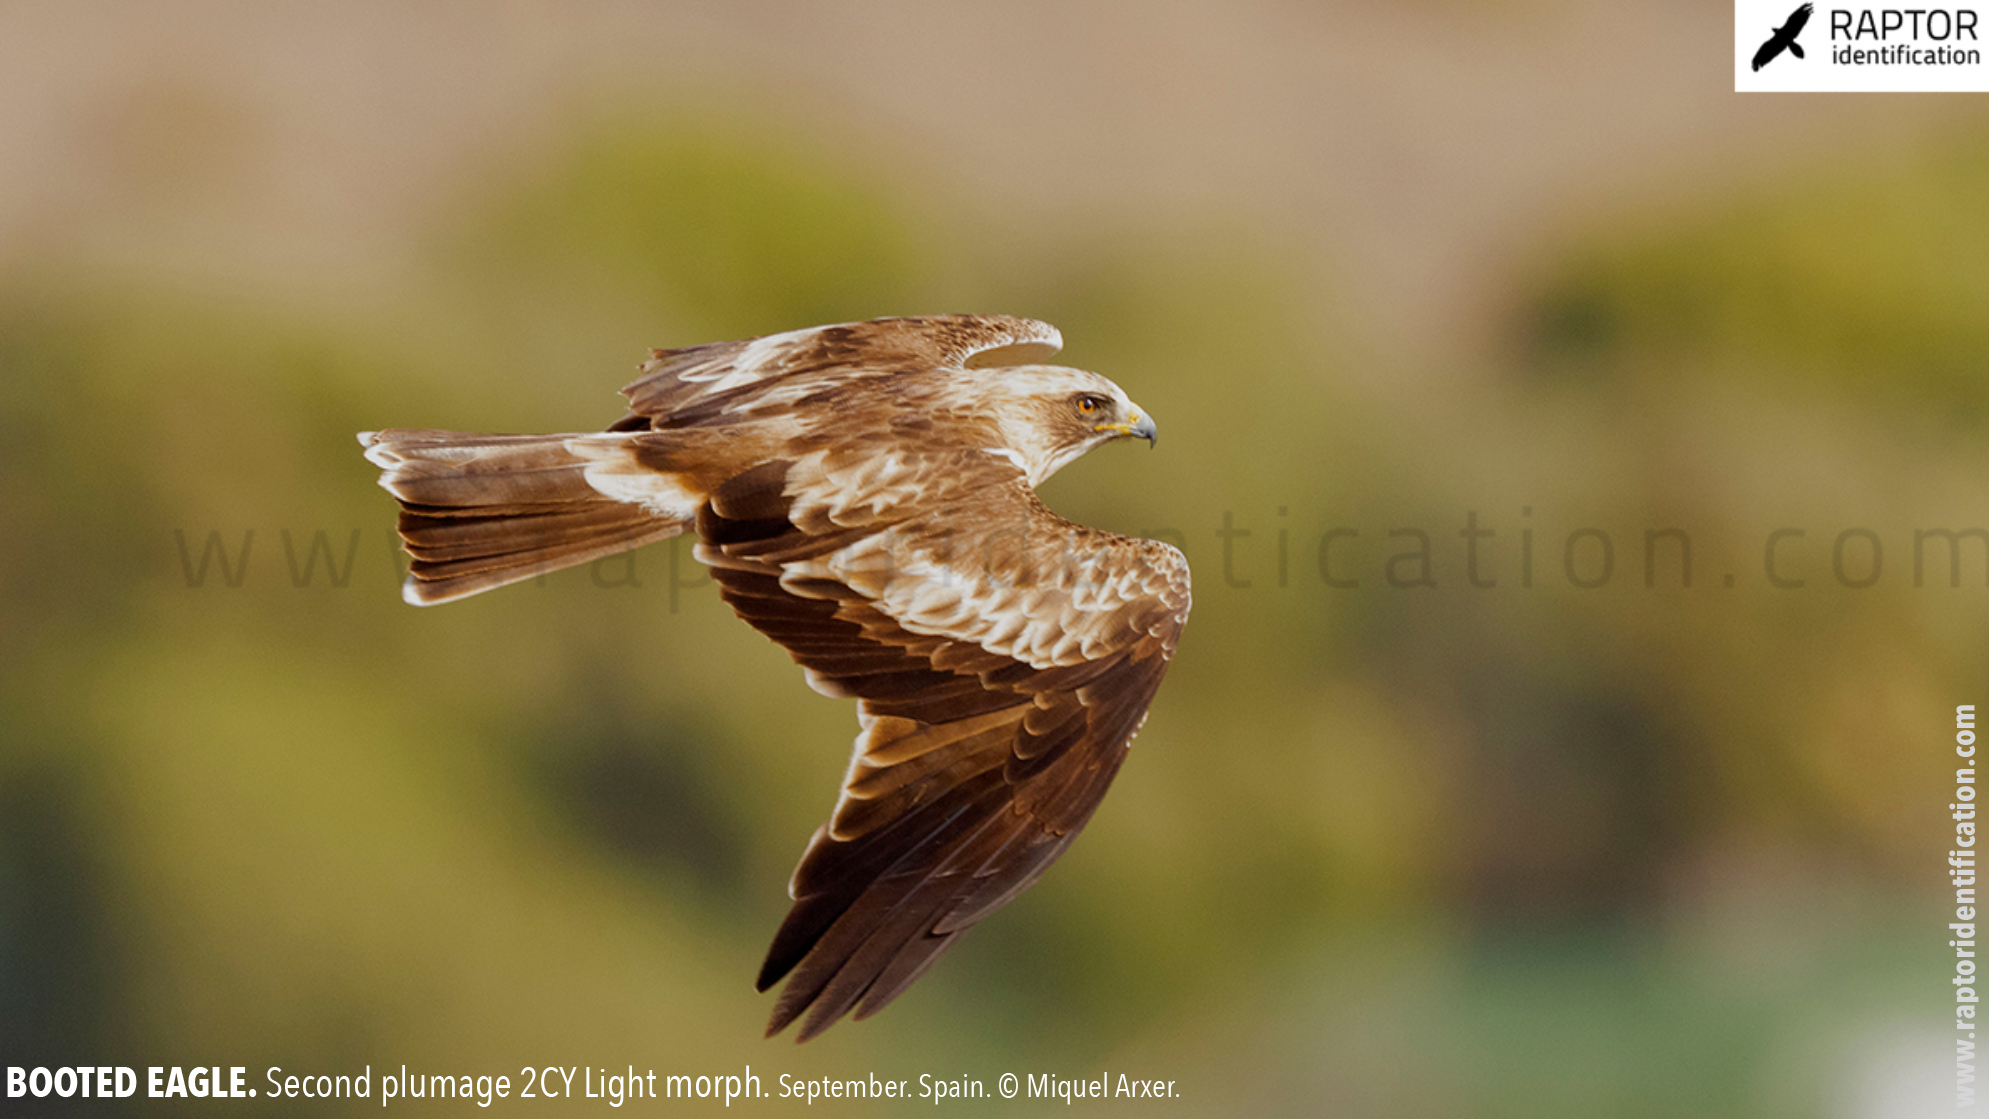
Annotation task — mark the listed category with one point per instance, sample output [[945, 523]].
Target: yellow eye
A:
[[1087, 406]]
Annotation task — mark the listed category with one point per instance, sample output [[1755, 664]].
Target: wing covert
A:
[[981, 755], [673, 379]]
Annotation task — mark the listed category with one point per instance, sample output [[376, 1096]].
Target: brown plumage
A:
[[865, 496]]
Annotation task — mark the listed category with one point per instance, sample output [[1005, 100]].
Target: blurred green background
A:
[[1636, 849]]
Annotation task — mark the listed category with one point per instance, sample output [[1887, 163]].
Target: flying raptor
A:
[[865, 496], [1784, 38]]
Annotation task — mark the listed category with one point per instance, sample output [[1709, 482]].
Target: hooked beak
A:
[[1141, 427]]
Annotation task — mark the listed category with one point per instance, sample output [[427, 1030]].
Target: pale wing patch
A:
[[612, 470], [759, 358], [847, 490], [672, 379], [1073, 604]]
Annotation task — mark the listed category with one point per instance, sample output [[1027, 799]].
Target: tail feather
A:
[[481, 511]]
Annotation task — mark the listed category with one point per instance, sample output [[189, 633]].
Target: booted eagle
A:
[[865, 496]]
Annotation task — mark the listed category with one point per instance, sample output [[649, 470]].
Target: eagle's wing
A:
[[1003, 659], [674, 381], [1797, 20], [1768, 51]]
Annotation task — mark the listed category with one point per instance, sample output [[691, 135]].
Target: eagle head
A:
[[1049, 416]]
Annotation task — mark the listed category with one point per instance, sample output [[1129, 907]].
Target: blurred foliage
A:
[[1868, 280], [1386, 850], [740, 237]]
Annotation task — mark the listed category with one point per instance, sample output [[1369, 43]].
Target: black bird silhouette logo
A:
[[1784, 38]]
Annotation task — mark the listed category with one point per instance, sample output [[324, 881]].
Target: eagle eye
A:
[[1089, 406]]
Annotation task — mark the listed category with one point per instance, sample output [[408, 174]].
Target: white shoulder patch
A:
[[1013, 459]]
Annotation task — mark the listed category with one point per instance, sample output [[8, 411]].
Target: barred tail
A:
[[481, 511]]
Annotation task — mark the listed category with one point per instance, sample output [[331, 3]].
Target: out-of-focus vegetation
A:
[[1867, 282], [1500, 850]]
